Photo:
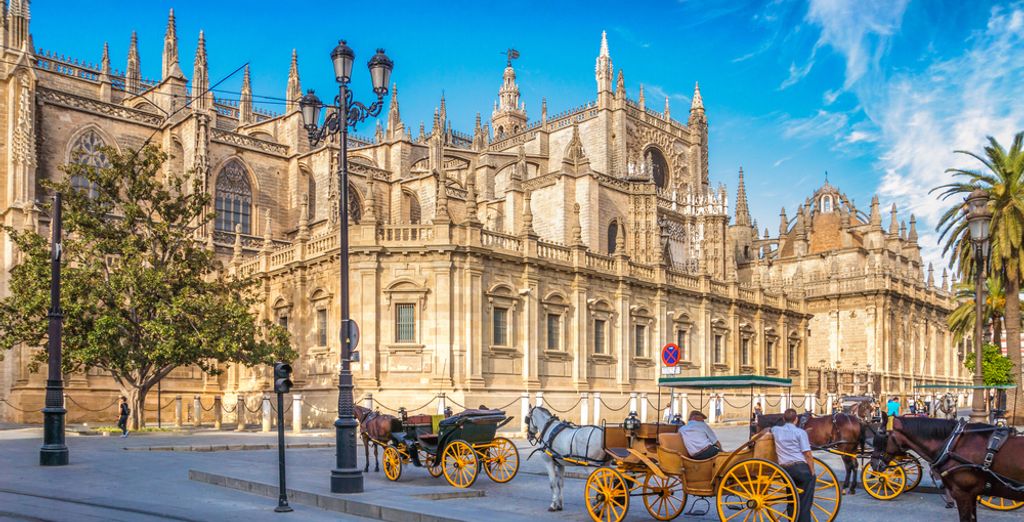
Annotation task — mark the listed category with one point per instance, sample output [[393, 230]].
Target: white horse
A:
[[564, 440], [947, 406]]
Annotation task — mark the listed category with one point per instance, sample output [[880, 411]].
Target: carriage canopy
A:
[[964, 387]]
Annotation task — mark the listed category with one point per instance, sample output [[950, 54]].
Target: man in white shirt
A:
[[794, 452], [700, 441]]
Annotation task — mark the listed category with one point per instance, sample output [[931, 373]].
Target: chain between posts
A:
[[17, 408], [567, 410], [107, 407]]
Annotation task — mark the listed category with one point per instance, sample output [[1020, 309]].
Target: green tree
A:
[[961, 320], [996, 368], [1003, 179], [141, 295]]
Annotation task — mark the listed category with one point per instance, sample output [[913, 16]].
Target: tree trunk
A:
[[137, 403], [997, 331], [1012, 317]]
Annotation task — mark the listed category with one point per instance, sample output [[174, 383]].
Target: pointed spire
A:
[[620, 242], [471, 207], [894, 226], [640, 100], [913, 229], [903, 230], [18, 17], [171, 67], [396, 129], [945, 280], [304, 219], [876, 214], [783, 223], [544, 110], [443, 114], [698, 103], [201, 99], [133, 74], [577, 229], [528, 215], [294, 92], [105, 63], [742, 211], [668, 111], [620, 86], [931, 276], [604, 45], [245, 99], [603, 72], [441, 206]]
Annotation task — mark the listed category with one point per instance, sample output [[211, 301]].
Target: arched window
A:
[[86, 151], [410, 208], [613, 235], [659, 167], [234, 198], [826, 204], [311, 197], [355, 206]]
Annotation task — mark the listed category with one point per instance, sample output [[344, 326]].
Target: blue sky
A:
[[876, 92]]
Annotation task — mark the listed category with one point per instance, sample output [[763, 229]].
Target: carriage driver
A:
[[794, 450], [700, 441]]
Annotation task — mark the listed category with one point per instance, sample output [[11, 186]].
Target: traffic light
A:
[[282, 377]]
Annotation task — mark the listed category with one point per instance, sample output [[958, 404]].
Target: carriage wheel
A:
[[664, 498], [827, 498], [1000, 503], [460, 464], [607, 495], [502, 460], [758, 490], [434, 468], [885, 485], [392, 464], [912, 469]]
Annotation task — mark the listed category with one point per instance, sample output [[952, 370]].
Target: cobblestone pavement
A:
[[106, 482]]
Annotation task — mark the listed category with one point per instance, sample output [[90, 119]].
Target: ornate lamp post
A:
[[54, 452], [978, 219], [346, 477]]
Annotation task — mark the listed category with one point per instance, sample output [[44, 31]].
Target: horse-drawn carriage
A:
[[456, 446], [650, 461]]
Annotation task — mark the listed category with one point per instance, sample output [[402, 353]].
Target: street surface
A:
[[107, 482]]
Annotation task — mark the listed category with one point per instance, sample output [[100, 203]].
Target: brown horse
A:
[[841, 432], [957, 459], [377, 426]]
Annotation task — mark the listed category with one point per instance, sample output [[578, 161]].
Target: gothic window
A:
[[613, 235], [826, 204], [86, 151], [659, 167], [355, 208], [234, 198], [410, 208]]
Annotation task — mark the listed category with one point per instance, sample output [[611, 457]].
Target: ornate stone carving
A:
[[249, 142], [97, 107], [24, 143]]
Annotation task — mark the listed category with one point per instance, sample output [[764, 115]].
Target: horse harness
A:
[[546, 436], [998, 437]]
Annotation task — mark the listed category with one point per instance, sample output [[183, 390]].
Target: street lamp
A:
[[978, 219], [54, 452], [346, 477]]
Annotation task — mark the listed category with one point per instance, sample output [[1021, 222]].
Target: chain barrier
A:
[[620, 408], [226, 410], [770, 403], [17, 408], [253, 410], [793, 404], [273, 408], [107, 407], [567, 410], [692, 407], [204, 408], [733, 405], [518, 399], [378, 403], [449, 400], [316, 409], [161, 407]]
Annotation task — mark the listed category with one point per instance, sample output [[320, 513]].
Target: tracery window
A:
[[234, 198], [87, 151], [355, 205], [659, 167]]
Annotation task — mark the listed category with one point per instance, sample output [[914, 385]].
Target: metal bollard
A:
[[217, 413], [177, 411], [240, 413], [266, 413], [584, 408], [197, 411], [297, 413]]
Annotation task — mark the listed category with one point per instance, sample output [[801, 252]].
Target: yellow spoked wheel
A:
[[392, 464], [757, 489], [460, 464], [434, 468], [502, 460], [826, 494], [607, 495], [912, 469], [664, 498], [884, 485], [1000, 503]]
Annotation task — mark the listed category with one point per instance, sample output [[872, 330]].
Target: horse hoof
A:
[[949, 505], [552, 508]]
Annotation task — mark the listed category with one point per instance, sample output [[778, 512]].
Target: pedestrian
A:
[[122, 416], [892, 409], [794, 453]]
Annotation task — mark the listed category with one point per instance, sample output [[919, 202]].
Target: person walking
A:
[[794, 452], [122, 417]]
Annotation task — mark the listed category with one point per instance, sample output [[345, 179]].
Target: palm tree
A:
[[961, 321], [1003, 179]]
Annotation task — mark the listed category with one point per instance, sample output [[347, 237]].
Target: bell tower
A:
[[509, 116]]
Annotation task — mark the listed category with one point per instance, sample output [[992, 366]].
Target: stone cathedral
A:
[[552, 252]]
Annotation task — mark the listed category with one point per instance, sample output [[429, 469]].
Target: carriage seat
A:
[[428, 438], [417, 420], [454, 419]]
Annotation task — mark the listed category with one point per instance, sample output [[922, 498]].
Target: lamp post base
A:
[[56, 456], [346, 477], [53, 452], [346, 480]]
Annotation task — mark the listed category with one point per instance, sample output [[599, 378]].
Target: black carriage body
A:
[[471, 426]]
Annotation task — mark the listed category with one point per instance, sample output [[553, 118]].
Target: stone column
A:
[[368, 401], [643, 407], [217, 411], [783, 403], [524, 409], [632, 403], [597, 407], [297, 413], [713, 410], [584, 408], [266, 413], [197, 411], [442, 403], [177, 411], [539, 400], [240, 413]]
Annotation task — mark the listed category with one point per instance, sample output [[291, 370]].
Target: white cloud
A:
[[858, 30], [780, 161], [797, 73], [822, 124]]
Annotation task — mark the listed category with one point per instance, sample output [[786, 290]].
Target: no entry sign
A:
[[670, 355]]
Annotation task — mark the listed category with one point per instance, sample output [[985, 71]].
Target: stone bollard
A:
[[442, 403], [675, 402], [713, 410], [177, 411], [782, 403], [584, 408], [643, 407], [524, 410], [216, 413], [266, 413], [197, 411], [297, 413], [240, 413], [597, 407], [812, 403], [632, 403], [539, 401], [368, 401]]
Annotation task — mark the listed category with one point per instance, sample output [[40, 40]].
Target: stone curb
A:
[[332, 503], [232, 447]]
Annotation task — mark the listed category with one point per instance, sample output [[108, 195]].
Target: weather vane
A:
[[511, 54]]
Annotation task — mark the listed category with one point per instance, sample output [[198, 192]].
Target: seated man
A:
[[794, 450], [701, 443]]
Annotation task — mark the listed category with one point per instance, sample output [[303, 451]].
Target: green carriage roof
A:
[[725, 381], [963, 387]]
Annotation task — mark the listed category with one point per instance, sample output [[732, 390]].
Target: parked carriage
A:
[[457, 447], [650, 461]]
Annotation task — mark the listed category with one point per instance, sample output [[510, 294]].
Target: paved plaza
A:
[[146, 478]]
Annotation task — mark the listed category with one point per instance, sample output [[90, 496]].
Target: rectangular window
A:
[[283, 321], [599, 335], [500, 327], [684, 354], [639, 335], [791, 356], [405, 323], [745, 351], [769, 354], [321, 327], [554, 332], [718, 349]]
